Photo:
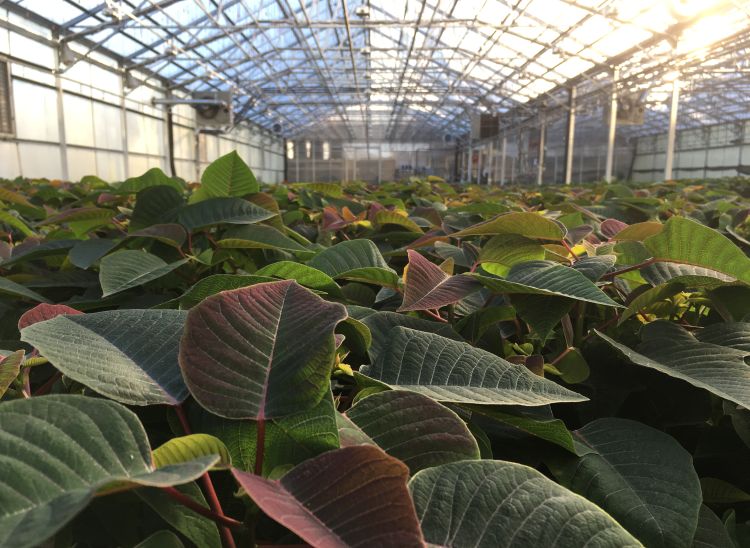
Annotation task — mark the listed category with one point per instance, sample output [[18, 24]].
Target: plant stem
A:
[[26, 376], [580, 320], [45, 388], [208, 486], [435, 316], [630, 268], [260, 446], [186, 501]]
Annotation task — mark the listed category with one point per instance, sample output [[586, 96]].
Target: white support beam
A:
[[570, 143], [480, 167], [503, 156], [671, 136], [612, 128], [491, 164], [540, 162]]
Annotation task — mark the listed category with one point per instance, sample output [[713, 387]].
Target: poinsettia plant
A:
[[409, 364]]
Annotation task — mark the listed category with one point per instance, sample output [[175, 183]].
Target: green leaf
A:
[[10, 367], [551, 430], [456, 372], [530, 225], [289, 440], [304, 275], [687, 241], [14, 222], [510, 249], [711, 532], [380, 325], [649, 297], [211, 285], [413, 428], [386, 217], [191, 447], [491, 504], [127, 355], [259, 237], [13, 289], [547, 278], [356, 260], [34, 251], [718, 491], [155, 205], [199, 529], [669, 349], [161, 539], [318, 512], [171, 234], [228, 176], [92, 214], [153, 177], [129, 268], [215, 211], [426, 286], [73, 448], [734, 335], [85, 253], [243, 349], [641, 476], [573, 367]]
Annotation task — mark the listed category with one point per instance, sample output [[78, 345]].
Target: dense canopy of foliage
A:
[[414, 363]]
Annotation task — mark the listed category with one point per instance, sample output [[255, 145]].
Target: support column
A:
[[612, 128], [124, 134], [671, 136], [503, 156], [491, 164], [297, 153], [470, 164], [540, 163], [312, 157], [61, 121], [480, 167], [570, 143], [380, 164]]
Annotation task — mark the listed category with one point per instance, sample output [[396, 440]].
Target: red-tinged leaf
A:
[[43, 312], [263, 351], [428, 287], [367, 504], [610, 227], [429, 239]]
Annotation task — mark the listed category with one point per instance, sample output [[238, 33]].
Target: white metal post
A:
[[540, 163], [470, 164], [312, 157], [297, 153], [503, 155], [570, 144], [612, 128], [380, 164], [491, 164], [480, 167], [672, 129]]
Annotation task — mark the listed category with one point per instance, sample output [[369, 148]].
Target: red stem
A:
[[630, 268], [200, 509], [435, 315], [208, 486], [570, 250], [260, 446], [45, 388]]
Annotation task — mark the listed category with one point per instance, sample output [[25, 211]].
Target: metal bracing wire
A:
[[415, 69]]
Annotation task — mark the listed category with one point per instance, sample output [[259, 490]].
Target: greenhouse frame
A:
[[378, 90]]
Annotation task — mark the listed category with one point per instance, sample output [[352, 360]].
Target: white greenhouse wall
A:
[[84, 122], [707, 152]]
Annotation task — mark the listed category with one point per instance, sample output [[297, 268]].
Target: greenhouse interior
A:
[[374, 274], [550, 92]]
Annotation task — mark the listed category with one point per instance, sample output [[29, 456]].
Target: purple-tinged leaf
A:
[[263, 351], [368, 504], [610, 227], [427, 286]]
